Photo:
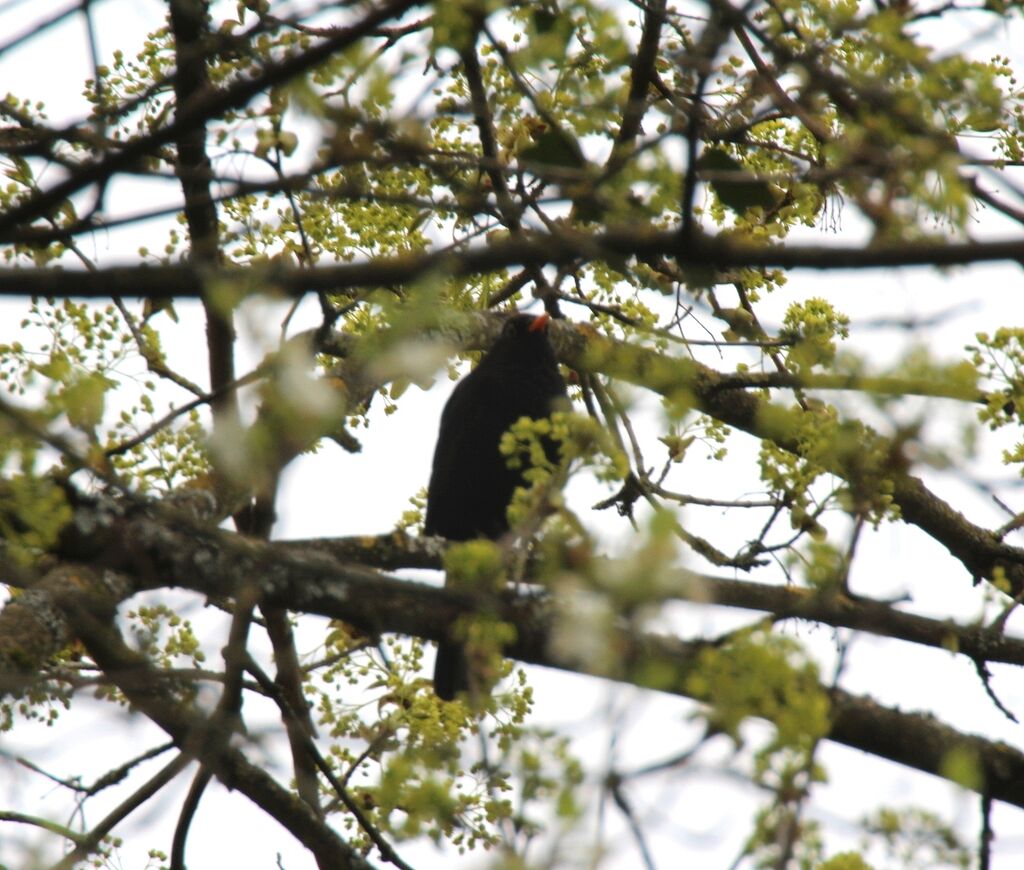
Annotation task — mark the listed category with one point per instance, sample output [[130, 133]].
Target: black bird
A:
[[471, 484]]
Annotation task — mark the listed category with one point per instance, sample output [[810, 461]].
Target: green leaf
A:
[[962, 765], [398, 387], [554, 148], [724, 175], [677, 445], [57, 368], [698, 276], [152, 307], [545, 19], [846, 861], [84, 400]]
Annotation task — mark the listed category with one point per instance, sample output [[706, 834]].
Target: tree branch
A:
[[183, 281], [189, 730], [214, 103], [207, 559]]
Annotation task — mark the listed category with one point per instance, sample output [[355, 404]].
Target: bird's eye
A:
[[509, 328]]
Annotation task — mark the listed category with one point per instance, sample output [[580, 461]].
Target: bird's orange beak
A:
[[540, 322]]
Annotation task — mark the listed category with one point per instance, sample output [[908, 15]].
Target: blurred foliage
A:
[[802, 109]]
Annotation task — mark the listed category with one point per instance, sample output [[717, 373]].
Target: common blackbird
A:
[[471, 484]]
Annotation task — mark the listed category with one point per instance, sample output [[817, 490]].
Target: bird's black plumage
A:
[[471, 484]]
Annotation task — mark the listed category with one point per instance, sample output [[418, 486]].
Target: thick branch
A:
[[536, 249], [877, 458], [188, 23], [977, 642], [978, 549], [641, 75], [211, 560]]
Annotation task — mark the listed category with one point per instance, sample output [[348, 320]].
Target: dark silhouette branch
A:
[[185, 281], [206, 559]]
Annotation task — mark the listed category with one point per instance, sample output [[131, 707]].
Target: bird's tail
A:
[[451, 671]]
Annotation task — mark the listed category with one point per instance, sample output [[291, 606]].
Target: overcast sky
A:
[[333, 493]]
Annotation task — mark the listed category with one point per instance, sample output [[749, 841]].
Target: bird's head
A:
[[524, 339], [520, 327]]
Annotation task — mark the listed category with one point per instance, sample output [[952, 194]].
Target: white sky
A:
[[333, 493]]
